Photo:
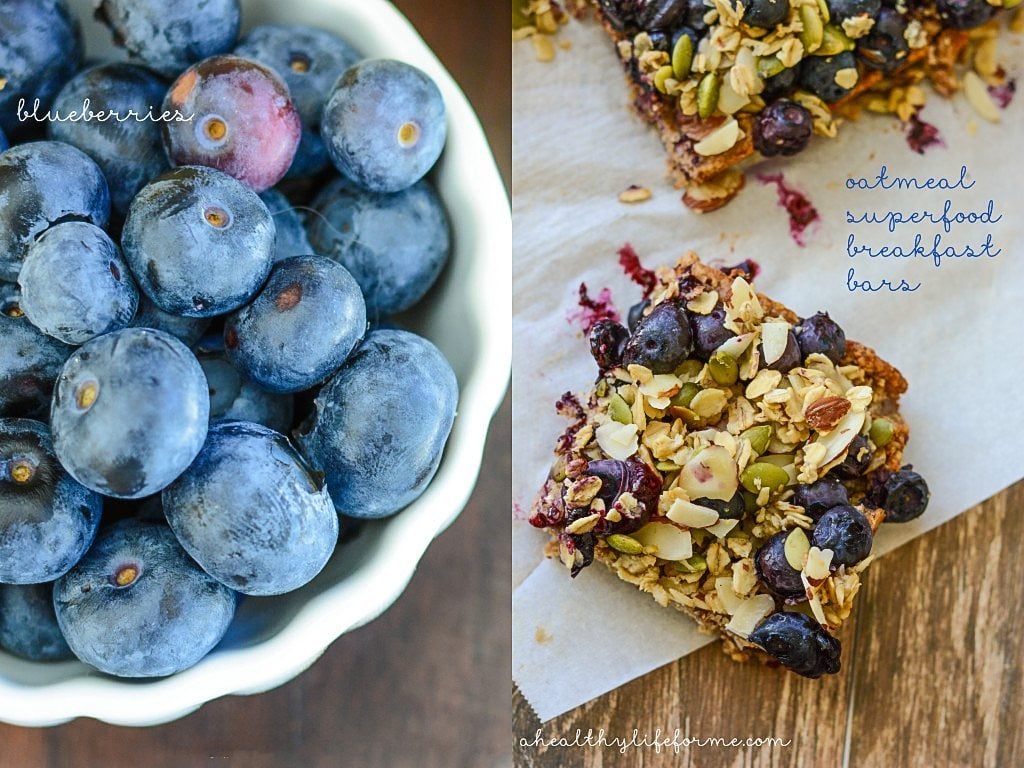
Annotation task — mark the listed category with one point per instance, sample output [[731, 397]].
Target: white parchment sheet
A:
[[957, 338]]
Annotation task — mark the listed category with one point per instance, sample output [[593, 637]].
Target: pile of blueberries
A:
[[784, 126], [201, 250]]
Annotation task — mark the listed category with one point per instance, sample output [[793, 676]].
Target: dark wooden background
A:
[[932, 674], [425, 685]]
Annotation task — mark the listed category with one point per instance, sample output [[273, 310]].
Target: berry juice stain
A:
[[921, 135], [1003, 94], [801, 213], [635, 271], [592, 309]]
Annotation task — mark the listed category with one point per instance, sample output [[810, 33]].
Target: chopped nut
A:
[[543, 48], [826, 413], [634, 194]]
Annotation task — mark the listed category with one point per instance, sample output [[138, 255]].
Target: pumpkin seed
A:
[[663, 74], [618, 409], [759, 437], [881, 432], [682, 57], [707, 95], [834, 41], [761, 474], [814, 29], [723, 368], [627, 545]]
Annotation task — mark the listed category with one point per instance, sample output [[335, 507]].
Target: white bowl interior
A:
[[467, 315]]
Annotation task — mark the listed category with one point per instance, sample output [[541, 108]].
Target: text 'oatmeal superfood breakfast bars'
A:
[[733, 461]]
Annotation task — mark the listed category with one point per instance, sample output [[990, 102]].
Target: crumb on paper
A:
[[634, 194], [542, 636]]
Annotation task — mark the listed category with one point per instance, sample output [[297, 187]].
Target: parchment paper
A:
[[956, 339]]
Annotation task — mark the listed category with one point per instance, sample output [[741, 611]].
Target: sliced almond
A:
[[709, 403], [978, 97], [796, 548], [846, 78], [839, 439], [668, 541], [730, 102], [691, 515], [711, 474], [722, 528], [703, 303], [737, 345], [720, 140], [749, 614], [730, 600], [619, 441], [817, 566], [774, 338]]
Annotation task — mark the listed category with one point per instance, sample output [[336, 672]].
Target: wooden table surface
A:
[[427, 684], [932, 674]]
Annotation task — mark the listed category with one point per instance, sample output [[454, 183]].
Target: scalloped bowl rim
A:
[[475, 196]]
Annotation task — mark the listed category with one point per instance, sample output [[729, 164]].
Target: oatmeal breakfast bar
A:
[[727, 81], [733, 461]]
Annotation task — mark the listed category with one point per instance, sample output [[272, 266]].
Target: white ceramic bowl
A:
[[466, 315]]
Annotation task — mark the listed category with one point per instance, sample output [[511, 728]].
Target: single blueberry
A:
[[781, 84], [311, 156], [188, 329], [606, 340], [384, 124], [169, 36], [799, 643], [790, 355], [395, 245], [856, 461], [830, 78], [292, 239], [885, 46], [965, 14], [662, 14], [236, 399], [905, 496], [766, 14], [4, 143], [300, 327], [661, 341], [820, 334], [634, 477], [840, 10], [709, 332], [30, 362], [782, 128], [199, 242], [820, 496], [75, 285], [381, 424], [40, 49], [243, 120], [732, 509], [636, 313], [127, 148], [130, 412], [47, 520], [42, 183], [267, 535], [774, 570], [846, 531], [28, 624], [168, 613]]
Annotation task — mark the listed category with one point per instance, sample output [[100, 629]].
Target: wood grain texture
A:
[[931, 674], [426, 684]]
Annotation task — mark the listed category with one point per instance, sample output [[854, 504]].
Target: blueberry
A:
[[764, 13], [292, 239], [169, 36], [620, 13], [820, 496], [662, 14], [818, 75], [632, 476], [250, 512], [781, 84], [384, 124], [732, 509], [244, 123], [606, 340], [187, 329], [10, 300], [4, 144], [199, 242], [300, 327], [782, 128], [40, 49], [395, 245], [884, 47], [965, 14], [128, 150], [856, 461], [28, 624], [168, 613], [905, 496], [310, 156], [661, 341], [820, 334], [75, 285], [790, 355], [636, 313], [30, 362], [47, 520], [799, 643], [846, 531], [308, 59], [696, 10], [130, 412], [234, 398], [840, 10], [709, 332], [381, 423], [774, 570], [42, 183]]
